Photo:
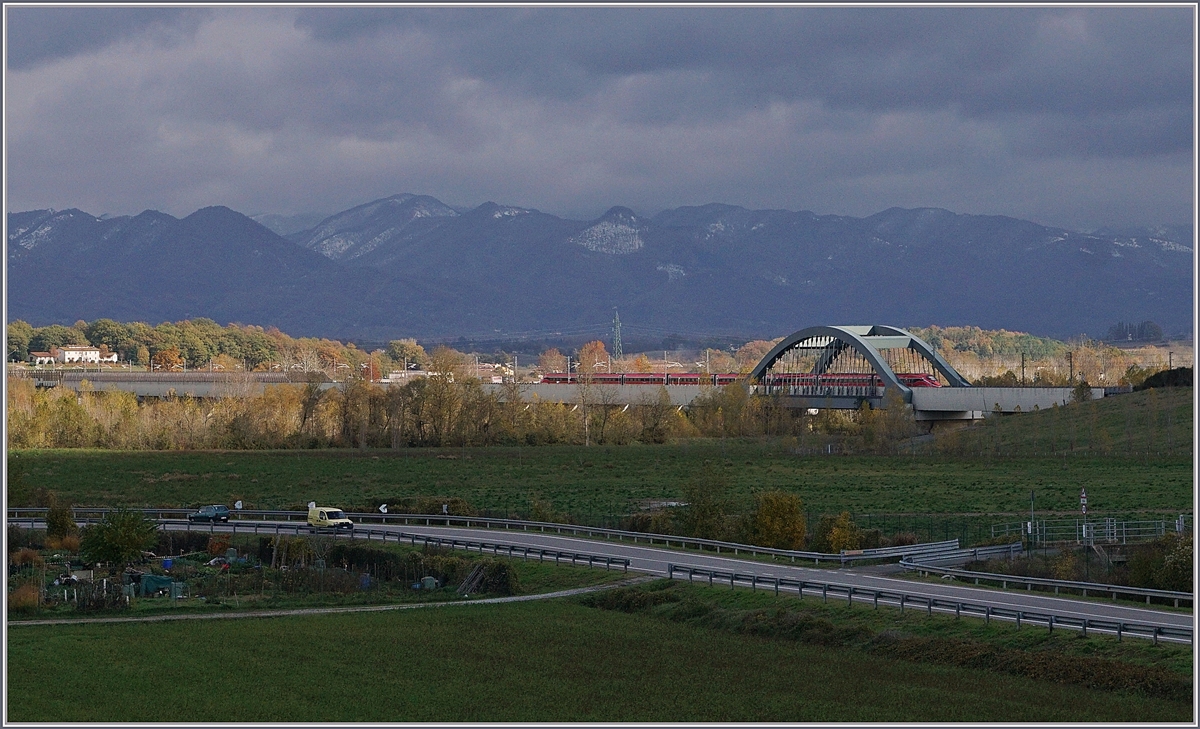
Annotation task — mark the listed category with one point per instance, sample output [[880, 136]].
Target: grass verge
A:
[[1136, 667]]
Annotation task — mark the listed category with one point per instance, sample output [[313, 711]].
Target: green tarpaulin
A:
[[153, 583]]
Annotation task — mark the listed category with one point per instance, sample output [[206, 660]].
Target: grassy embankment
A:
[[1148, 425]]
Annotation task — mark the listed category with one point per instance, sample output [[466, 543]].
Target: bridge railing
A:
[[901, 598]]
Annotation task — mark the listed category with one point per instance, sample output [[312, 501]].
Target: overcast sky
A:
[[1077, 117]]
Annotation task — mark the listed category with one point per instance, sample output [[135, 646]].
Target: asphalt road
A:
[[653, 560]]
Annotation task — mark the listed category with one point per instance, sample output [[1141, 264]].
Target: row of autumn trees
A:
[[775, 519], [446, 408], [202, 343], [990, 357]]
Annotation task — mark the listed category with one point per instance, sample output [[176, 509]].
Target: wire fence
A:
[[1106, 530]]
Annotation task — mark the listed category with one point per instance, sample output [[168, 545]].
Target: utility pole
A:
[[1022, 369], [1032, 542], [617, 335], [1071, 365]]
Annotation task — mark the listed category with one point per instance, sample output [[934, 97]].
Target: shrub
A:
[[60, 519], [777, 521], [24, 556], [835, 533], [119, 538], [659, 521], [1176, 570], [23, 599], [543, 510], [25, 537], [217, 545], [707, 507], [499, 578], [631, 599], [901, 539], [1065, 566], [68, 543]]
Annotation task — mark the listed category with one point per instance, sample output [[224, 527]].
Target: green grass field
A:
[[551, 661], [598, 484]]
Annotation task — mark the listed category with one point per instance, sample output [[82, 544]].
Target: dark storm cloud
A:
[[1074, 116], [50, 33]]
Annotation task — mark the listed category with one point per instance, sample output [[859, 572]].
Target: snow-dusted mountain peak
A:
[[618, 232]]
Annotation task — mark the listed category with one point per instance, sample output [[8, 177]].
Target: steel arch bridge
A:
[[847, 366]]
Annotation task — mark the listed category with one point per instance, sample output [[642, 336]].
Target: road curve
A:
[[654, 560]]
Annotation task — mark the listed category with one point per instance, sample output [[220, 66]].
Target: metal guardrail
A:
[[973, 553], [497, 548], [943, 605], [902, 550], [1031, 582], [844, 557]]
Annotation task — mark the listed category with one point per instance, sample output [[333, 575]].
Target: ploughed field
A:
[[598, 484]]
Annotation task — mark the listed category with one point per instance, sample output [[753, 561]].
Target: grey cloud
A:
[[571, 110], [40, 34]]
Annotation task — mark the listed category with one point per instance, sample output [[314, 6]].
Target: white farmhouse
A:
[[67, 355]]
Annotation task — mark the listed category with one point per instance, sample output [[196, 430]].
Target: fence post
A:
[[825, 592], [1019, 622], [850, 596], [876, 599]]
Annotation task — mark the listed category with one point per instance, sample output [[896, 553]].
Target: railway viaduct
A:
[[817, 367]]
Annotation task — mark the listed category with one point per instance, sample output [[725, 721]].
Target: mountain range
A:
[[410, 265]]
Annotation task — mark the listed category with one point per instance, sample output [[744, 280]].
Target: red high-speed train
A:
[[918, 379]]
